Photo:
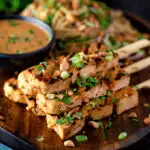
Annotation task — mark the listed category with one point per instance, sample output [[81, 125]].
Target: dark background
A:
[[139, 7]]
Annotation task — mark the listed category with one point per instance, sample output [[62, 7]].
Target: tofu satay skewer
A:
[[132, 48], [144, 84], [137, 66]]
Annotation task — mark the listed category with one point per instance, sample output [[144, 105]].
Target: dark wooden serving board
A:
[[27, 126]]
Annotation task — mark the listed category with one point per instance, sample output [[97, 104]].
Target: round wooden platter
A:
[[29, 127]]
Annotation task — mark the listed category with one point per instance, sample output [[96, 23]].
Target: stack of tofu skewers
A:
[[68, 90]]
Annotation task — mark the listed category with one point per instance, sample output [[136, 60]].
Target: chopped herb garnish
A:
[[13, 38], [108, 125], [39, 138], [134, 86], [81, 138], [78, 39], [64, 75], [102, 100], [92, 104], [19, 52], [135, 119], [113, 100], [45, 64], [61, 121], [31, 31], [50, 18], [77, 60], [141, 52], [108, 93], [66, 99], [40, 69], [39, 42], [87, 82], [84, 15], [104, 22], [100, 123], [140, 36], [89, 24], [122, 136], [78, 114], [109, 56], [13, 23], [147, 106], [26, 39], [124, 73], [65, 120], [69, 119]]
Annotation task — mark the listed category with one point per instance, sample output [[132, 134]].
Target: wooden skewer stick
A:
[[132, 48], [137, 66], [145, 84]]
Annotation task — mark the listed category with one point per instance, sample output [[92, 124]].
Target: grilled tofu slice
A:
[[12, 91], [65, 130], [127, 99], [45, 77], [38, 79], [101, 112], [123, 82], [54, 106]]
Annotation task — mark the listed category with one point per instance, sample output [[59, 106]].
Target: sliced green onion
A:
[[77, 60], [122, 136], [61, 121], [81, 138], [64, 75], [89, 24]]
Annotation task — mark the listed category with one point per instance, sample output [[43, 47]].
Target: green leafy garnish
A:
[[69, 119], [13, 23], [113, 100], [78, 114], [65, 120], [78, 39], [44, 63], [108, 93], [66, 99], [84, 15], [49, 19], [40, 69], [141, 52], [108, 125], [64, 75], [135, 119], [102, 100], [13, 38], [26, 39], [77, 60], [31, 31], [140, 36], [124, 73], [19, 52], [39, 138], [100, 123], [122, 136], [105, 22], [110, 55], [61, 121], [89, 24], [87, 82], [147, 106], [81, 138]]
